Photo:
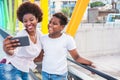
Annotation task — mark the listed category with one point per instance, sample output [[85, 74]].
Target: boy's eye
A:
[[24, 21], [31, 19], [49, 22], [54, 23]]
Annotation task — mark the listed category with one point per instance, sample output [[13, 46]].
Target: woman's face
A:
[[30, 22]]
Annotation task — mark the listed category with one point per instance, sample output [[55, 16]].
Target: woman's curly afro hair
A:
[[28, 7]]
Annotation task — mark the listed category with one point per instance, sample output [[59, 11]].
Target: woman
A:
[[20, 59]]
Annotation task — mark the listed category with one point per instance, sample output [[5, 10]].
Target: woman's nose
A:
[[28, 23]]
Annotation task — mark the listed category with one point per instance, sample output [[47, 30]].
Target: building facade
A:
[[58, 5]]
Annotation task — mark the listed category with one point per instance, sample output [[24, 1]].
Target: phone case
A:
[[23, 40]]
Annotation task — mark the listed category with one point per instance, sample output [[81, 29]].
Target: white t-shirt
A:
[[24, 56], [55, 53]]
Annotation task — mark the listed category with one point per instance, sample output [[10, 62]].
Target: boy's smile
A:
[[54, 27]]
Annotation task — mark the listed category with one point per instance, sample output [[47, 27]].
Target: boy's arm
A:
[[78, 58], [40, 57]]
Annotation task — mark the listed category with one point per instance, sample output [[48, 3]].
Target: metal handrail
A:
[[93, 70], [4, 34]]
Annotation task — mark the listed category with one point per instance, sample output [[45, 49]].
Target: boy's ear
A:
[[63, 26], [37, 19]]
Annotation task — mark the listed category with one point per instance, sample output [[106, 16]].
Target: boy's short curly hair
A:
[[28, 7], [62, 17]]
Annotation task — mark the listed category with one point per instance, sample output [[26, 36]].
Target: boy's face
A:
[[54, 26]]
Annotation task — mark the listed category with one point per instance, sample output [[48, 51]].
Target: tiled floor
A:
[[108, 64]]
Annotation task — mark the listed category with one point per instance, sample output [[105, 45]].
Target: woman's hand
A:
[[9, 45]]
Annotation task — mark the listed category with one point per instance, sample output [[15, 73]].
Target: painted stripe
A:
[[15, 15], [31, 0], [76, 17], [44, 23], [0, 14], [6, 14], [20, 23], [3, 14], [10, 17]]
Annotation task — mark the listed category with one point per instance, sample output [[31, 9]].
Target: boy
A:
[[55, 46]]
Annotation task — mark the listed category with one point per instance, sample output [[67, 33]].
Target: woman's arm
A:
[[9, 45]]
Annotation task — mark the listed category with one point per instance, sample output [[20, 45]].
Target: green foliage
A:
[[96, 4], [66, 11]]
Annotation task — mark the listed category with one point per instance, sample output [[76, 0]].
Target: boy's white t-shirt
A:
[[55, 53], [24, 56]]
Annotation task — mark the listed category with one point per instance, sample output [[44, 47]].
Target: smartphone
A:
[[23, 40], [4, 33]]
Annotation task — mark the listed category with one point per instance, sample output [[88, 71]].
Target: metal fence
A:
[[71, 76]]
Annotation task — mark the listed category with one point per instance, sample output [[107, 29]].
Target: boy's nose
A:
[[49, 25]]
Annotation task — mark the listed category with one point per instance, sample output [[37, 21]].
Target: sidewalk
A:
[[108, 64]]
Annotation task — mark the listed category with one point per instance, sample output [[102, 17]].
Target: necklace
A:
[[33, 38]]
